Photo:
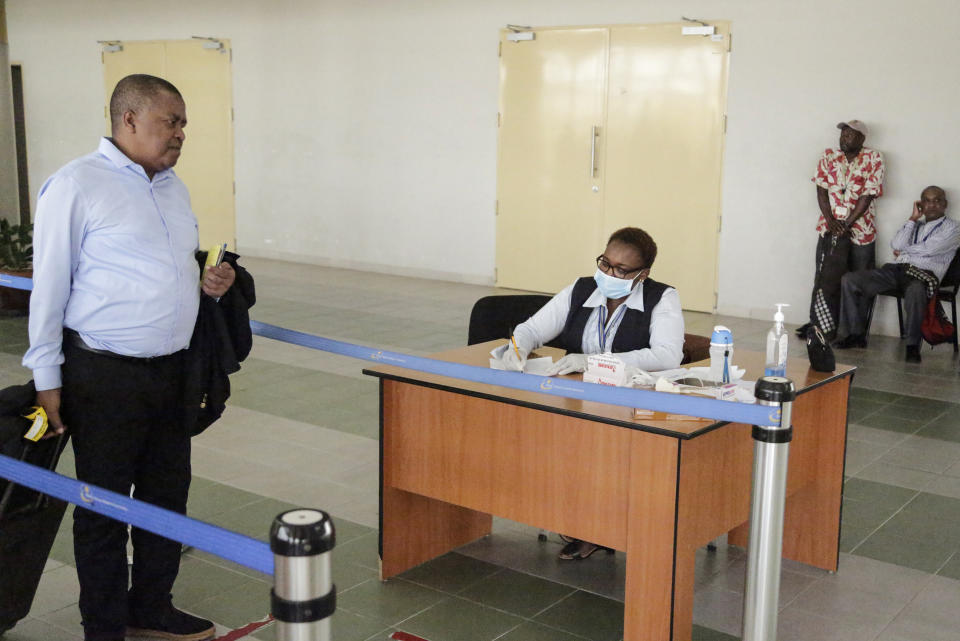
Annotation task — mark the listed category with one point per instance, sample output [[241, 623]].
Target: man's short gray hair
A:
[[135, 92]]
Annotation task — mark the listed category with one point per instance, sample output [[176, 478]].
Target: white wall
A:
[[365, 130]]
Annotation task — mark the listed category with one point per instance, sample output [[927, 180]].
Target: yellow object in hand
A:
[[40, 424], [214, 257]]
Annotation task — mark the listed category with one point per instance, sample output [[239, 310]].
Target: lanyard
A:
[[916, 232], [603, 331]]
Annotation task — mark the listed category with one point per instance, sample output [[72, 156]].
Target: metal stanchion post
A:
[[303, 597], [772, 446]]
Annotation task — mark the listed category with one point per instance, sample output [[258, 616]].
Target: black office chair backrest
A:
[[952, 277], [494, 317]]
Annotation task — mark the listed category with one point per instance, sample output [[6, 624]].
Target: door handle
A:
[[594, 134]]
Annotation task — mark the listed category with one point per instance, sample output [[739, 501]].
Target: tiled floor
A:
[[301, 429]]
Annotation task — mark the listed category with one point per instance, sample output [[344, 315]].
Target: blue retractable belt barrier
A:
[[16, 282], [627, 397], [657, 401], [231, 546]]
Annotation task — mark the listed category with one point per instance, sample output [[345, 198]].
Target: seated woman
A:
[[620, 310]]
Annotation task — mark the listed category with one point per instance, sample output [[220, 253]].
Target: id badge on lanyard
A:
[[603, 332], [840, 212]]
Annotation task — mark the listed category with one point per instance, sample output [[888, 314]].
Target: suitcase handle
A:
[[54, 457]]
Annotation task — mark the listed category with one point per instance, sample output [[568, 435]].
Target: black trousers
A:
[[827, 277], [126, 423], [860, 289]]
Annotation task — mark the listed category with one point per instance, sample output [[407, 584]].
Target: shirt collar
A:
[[121, 161], [839, 154], [634, 300]]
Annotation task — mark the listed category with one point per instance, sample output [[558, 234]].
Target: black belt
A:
[[72, 337]]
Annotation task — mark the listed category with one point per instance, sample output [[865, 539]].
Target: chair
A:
[[695, 348], [948, 292], [495, 317]]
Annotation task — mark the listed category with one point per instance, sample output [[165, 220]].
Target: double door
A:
[[608, 127]]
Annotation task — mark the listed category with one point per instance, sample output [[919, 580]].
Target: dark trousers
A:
[[826, 277], [860, 288], [127, 430]]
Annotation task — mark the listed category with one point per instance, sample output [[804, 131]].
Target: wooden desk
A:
[[454, 452]]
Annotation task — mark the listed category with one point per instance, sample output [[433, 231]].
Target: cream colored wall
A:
[[365, 130]]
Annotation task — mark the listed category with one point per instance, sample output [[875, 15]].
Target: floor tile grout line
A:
[[956, 551], [884, 522], [927, 581], [459, 595]]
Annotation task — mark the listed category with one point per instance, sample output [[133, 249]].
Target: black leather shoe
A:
[[913, 354], [172, 624], [853, 340]]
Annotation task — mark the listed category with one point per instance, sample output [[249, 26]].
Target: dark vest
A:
[[634, 330]]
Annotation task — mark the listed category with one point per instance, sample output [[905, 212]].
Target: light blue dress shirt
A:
[[929, 246], [113, 260]]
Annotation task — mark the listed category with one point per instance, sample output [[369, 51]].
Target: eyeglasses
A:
[[607, 268]]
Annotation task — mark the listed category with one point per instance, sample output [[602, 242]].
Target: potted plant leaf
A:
[[16, 259]]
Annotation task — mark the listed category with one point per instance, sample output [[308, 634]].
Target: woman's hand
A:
[[512, 361], [569, 364]]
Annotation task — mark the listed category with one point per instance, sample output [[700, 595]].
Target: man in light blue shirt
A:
[[115, 298], [922, 248]]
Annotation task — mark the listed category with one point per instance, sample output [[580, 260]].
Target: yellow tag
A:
[[214, 257], [40, 424]]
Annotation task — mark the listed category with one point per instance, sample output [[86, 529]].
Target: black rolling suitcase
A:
[[28, 520]]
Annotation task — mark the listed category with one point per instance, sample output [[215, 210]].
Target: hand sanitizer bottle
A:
[[777, 342], [721, 354]]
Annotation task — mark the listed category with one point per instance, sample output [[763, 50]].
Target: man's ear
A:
[[129, 120]]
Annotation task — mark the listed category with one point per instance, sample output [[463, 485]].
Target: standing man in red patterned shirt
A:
[[848, 181]]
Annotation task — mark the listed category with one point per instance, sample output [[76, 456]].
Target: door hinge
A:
[[496, 208], [498, 119], [724, 123], [500, 49], [719, 223], [234, 187], [716, 301], [232, 118], [730, 42], [495, 275]]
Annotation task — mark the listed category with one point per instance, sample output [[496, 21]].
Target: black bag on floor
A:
[[28, 520]]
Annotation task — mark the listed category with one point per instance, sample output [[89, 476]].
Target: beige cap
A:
[[856, 125]]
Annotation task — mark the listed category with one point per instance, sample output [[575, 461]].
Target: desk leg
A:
[[651, 538], [415, 529]]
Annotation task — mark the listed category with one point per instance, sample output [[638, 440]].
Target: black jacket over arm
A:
[[221, 340]]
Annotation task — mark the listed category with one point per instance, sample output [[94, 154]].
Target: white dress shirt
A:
[[113, 260], [666, 328]]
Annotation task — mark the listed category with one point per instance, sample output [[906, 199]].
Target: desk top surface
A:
[[678, 426]]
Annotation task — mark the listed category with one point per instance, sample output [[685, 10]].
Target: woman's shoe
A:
[[576, 550], [587, 548], [570, 551]]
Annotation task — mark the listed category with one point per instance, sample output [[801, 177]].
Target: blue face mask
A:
[[613, 287]]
